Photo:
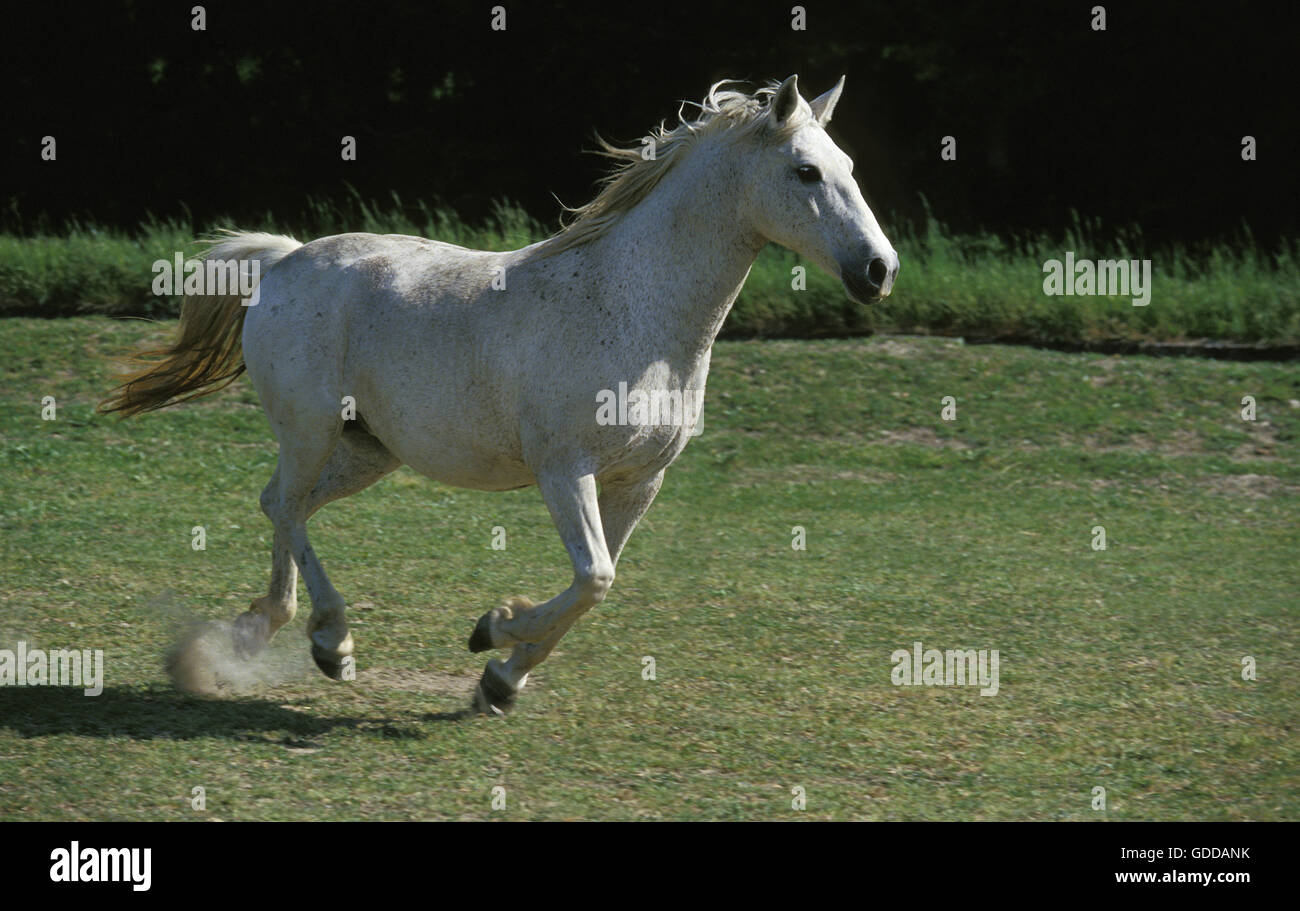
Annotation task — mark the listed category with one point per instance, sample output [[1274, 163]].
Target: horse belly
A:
[[450, 441], [476, 472]]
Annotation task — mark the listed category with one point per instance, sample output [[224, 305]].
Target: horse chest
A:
[[646, 427]]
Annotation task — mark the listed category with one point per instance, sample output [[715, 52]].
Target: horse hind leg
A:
[[356, 461], [266, 615]]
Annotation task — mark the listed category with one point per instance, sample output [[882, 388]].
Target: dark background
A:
[[1138, 125]]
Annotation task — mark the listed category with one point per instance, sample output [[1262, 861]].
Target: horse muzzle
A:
[[870, 281]]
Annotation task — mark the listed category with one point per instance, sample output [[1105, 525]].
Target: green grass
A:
[[956, 285], [1119, 668]]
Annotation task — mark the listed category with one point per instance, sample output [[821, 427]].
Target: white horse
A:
[[486, 370]]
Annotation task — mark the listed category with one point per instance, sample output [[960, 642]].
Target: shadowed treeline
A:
[[1138, 125]]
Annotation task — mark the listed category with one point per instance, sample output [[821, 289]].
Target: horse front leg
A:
[[576, 512], [620, 506]]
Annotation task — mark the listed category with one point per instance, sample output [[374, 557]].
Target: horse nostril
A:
[[877, 272]]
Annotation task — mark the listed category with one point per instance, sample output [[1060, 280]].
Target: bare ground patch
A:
[[803, 474], [895, 348], [1241, 486], [918, 436], [1109, 483], [1262, 446], [433, 683], [1247, 486], [1107, 367], [1180, 443]]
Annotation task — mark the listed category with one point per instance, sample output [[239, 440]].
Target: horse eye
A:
[[808, 173]]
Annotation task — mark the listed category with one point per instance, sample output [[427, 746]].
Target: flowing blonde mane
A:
[[634, 176]]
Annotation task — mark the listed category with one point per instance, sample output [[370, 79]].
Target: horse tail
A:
[[208, 353]]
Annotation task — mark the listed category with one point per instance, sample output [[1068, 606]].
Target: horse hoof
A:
[[331, 654], [330, 663], [481, 639], [493, 696], [333, 662]]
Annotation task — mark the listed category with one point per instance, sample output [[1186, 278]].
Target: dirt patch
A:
[[1109, 484], [866, 477], [1241, 486], [895, 348], [918, 436], [1180, 443], [1247, 486], [1107, 367], [803, 474], [433, 683], [1262, 446]]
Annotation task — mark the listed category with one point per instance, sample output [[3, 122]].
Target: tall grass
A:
[[976, 285], [985, 285]]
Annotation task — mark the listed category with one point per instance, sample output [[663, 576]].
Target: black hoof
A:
[[331, 665], [481, 639], [494, 696]]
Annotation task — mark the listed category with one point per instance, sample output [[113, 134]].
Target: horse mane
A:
[[634, 176]]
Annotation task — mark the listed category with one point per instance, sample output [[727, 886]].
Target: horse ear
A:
[[786, 100], [823, 106]]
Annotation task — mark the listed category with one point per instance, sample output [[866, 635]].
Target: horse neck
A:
[[684, 252]]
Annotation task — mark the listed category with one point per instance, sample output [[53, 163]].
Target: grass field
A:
[[1118, 668]]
